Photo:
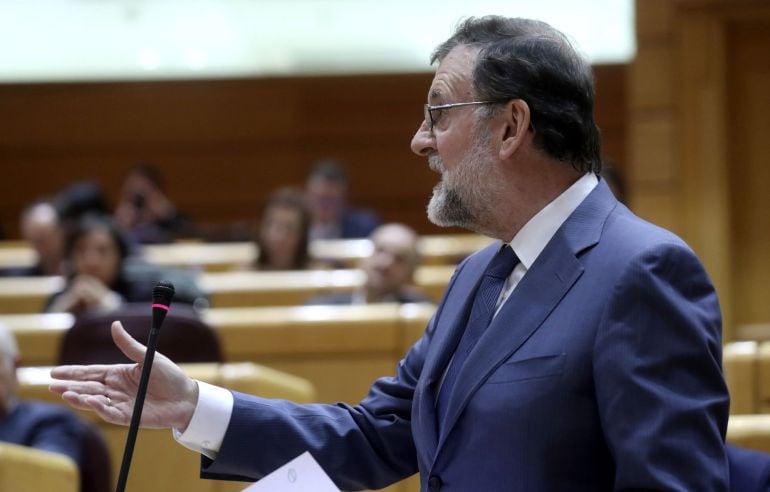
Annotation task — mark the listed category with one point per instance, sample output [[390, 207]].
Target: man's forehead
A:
[[454, 74]]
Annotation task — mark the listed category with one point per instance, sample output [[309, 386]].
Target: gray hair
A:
[[8, 346]]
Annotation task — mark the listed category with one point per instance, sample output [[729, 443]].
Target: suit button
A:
[[434, 483]]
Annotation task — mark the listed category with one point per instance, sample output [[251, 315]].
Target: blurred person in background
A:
[[145, 212], [389, 270], [283, 233], [38, 425], [41, 227], [326, 189], [80, 198], [101, 275], [95, 250]]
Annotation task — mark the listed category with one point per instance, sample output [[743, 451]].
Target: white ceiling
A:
[[48, 40]]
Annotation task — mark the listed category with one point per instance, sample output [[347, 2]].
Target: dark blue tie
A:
[[482, 311]]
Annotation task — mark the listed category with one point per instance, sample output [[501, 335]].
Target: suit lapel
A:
[[455, 309], [535, 297]]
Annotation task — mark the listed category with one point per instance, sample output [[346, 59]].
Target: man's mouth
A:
[[435, 164]]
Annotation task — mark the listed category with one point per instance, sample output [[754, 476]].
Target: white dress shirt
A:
[[209, 422]]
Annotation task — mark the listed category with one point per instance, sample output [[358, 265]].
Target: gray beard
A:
[[446, 208], [465, 205]]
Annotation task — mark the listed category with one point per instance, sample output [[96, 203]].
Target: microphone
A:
[[161, 299]]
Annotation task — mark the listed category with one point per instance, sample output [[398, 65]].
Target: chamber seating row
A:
[[233, 289], [446, 249], [341, 350]]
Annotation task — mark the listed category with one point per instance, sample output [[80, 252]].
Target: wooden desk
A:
[[287, 288], [445, 249], [750, 431], [340, 349], [24, 469], [450, 249], [291, 288], [16, 254], [27, 294], [233, 289], [212, 257], [38, 335], [755, 331]]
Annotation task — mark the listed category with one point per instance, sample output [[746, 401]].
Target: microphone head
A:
[[162, 293]]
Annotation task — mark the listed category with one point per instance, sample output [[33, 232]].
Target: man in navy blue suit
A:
[[581, 352], [35, 424]]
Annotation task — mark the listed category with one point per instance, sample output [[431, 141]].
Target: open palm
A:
[[110, 390]]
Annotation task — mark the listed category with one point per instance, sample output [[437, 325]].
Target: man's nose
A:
[[423, 142]]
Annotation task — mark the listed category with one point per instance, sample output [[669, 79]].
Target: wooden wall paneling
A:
[[748, 167], [697, 97], [703, 148], [610, 112], [653, 162], [225, 144]]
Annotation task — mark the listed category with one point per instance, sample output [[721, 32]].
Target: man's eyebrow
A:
[[434, 94]]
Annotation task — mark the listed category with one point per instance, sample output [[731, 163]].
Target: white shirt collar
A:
[[531, 239]]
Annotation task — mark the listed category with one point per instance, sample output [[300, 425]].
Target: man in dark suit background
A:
[[326, 189], [35, 424], [41, 227], [581, 352], [389, 270]]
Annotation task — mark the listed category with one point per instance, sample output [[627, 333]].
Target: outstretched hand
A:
[[110, 390]]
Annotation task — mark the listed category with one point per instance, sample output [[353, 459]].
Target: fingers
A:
[[82, 373], [80, 387], [130, 347], [100, 404]]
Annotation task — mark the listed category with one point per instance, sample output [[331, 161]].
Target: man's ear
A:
[[516, 118]]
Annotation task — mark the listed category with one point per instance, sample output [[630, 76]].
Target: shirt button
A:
[[434, 483], [206, 444]]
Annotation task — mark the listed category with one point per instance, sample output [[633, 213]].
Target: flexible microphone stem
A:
[[162, 294]]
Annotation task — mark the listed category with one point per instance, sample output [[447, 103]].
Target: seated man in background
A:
[[326, 189], [389, 270], [42, 229], [145, 212], [38, 425]]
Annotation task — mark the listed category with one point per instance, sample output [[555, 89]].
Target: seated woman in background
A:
[[102, 276], [282, 236], [94, 252]]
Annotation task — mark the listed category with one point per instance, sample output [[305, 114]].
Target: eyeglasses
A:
[[431, 120]]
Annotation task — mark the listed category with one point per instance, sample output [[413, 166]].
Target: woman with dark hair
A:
[[282, 237], [94, 252]]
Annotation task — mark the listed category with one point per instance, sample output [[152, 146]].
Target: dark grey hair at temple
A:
[[530, 60]]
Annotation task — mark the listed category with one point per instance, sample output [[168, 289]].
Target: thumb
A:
[[130, 347]]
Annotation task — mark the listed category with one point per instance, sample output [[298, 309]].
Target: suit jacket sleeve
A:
[[663, 405], [369, 445]]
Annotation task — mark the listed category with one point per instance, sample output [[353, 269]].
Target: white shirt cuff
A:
[[209, 422]]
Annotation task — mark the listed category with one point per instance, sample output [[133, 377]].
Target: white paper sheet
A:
[[302, 474]]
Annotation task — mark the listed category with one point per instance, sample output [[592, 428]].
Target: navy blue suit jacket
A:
[[749, 470], [601, 372], [43, 426]]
